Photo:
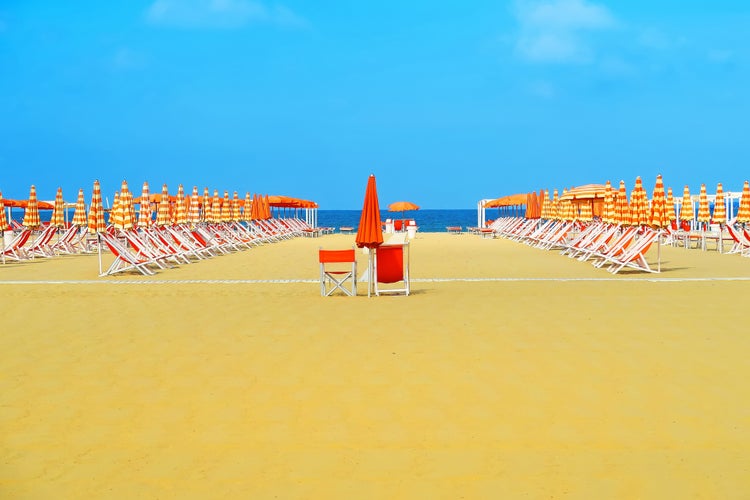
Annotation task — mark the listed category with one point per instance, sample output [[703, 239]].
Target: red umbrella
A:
[[370, 231]]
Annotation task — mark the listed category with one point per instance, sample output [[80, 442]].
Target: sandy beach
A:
[[510, 372]]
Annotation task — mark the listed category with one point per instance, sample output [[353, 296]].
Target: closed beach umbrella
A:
[[31, 214], [720, 208], [181, 209], [743, 214], [671, 215], [609, 204], [194, 215], [267, 205], [215, 207], [659, 205], [206, 209], [704, 214], [58, 212], [144, 215], [638, 209], [686, 213], [3, 218], [126, 210], [96, 211], [622, 211], [162, 212], [226, 209], [370, 230], [247, 208], [114, 212], [79, 216]]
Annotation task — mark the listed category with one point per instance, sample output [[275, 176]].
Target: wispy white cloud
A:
[[220, 14], [555, 31]]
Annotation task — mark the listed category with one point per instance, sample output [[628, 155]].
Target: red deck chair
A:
[[336, 268], [391, 266]]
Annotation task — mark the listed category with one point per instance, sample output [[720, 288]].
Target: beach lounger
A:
[[391, 268], [337, 267], [125, 260], [14, 250], [42, 245], [634, 255]]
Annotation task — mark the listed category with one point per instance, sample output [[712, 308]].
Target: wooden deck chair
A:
[[391, 267], [336, 268]]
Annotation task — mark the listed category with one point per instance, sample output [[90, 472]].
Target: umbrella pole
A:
[[369, 272], [658, 251], [99, 247]]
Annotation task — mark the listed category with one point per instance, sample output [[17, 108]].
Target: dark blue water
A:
[[432, 221]]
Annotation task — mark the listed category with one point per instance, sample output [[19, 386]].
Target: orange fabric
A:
[[326, 256], [370, 232], [390, 264]]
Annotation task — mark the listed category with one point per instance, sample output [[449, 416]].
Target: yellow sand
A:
[[619, 387]]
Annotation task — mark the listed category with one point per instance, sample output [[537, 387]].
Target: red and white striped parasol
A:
[[194, 214]]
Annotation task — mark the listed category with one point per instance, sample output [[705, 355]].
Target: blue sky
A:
[[445, 102]]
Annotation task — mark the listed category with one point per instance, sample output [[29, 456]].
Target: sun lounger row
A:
[[604, 245]]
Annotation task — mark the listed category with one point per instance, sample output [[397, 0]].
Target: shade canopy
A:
[[586, 192], [370, 231], [402, 206]]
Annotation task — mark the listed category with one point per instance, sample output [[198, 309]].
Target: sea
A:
[[428, 220]]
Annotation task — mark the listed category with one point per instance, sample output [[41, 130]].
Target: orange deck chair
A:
[[391, 267], [336, 268]]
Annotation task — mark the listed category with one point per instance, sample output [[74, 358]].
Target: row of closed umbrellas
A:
[[179, 209], [613, 205]]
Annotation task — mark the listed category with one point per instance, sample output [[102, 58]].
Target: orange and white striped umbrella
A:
[[720, 207], [555, 206], [144, 214], [235, 208], [638, 201], [96, 211], [3, 219], [58, 211], [162, 212], [79, 216], [194, 214], [247, 208], [609, 204], [215, 207], [743, 214], [114, 212], [704, 214], [226, 212], [206, 212], [125, 213], [686, 212], [659, 205], [31, 214], [181, 209], [622, 210], [671, 215]]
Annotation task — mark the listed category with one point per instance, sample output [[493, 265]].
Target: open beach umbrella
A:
[[686, 212], [671, 214], [704, 214], [31, 214], [162, 211], [743, 214], [402, 206], [144, 214], [180, 208], [58, 213], [370, 230], [720, 208], [194, 215], [79, 216]]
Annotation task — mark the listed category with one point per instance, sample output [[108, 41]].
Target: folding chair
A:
[[391, 265], [334, 273]]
